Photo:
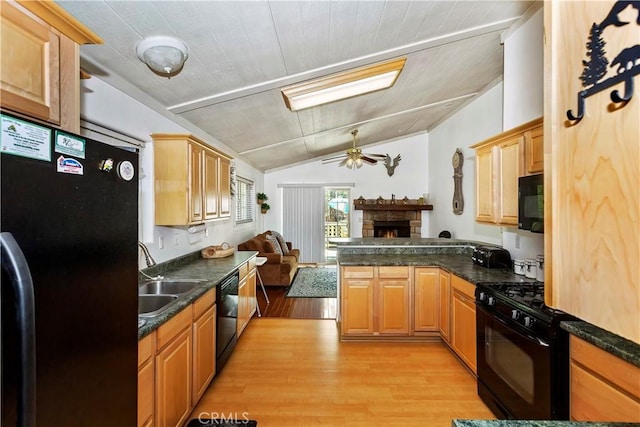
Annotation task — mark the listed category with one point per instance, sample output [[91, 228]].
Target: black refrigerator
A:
[[69, 232]]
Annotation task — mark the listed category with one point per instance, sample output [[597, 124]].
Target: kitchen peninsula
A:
[[417, 289]]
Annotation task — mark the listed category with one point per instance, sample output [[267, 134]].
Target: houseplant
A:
[[264, 207], [261, 198]]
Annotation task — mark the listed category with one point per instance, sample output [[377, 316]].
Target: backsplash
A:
[[522, 244]]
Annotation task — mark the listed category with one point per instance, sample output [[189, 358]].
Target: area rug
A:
[[314, 282]]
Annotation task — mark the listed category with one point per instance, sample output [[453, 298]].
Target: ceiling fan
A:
[[354, 158]]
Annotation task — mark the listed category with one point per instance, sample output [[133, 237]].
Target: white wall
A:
[[479, 120], [523, 71], [107, 106], [523, 102], [410, 179]]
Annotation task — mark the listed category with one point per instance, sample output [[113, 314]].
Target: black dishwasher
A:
[[227, 321]]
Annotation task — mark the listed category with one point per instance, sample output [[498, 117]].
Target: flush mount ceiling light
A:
[[348, 84], [163, 55]]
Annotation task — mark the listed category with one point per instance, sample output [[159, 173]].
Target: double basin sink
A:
[[157, 296]]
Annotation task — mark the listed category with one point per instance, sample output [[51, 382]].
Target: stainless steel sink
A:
[[153, 305], [167, 286]]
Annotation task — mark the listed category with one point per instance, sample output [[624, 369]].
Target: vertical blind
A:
[[303, 221], [245, 200]]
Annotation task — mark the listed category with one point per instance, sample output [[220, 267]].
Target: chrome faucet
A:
[[148, 259]]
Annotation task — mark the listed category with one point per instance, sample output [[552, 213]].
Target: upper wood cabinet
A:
[[192, 180], [40, 62], [500, 161], [592, 196]]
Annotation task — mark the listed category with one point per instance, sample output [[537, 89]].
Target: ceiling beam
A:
[[341, 66]]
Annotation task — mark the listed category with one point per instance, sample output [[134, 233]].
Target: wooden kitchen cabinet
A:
[[146, 380], [445, 306], [463, 321], [192, 180], [375, 301], [247, 302], [426, 291], [603, 386], [40, 62], [174, 371], [357, 286], [204, 343], [500, 161], [592, 196]]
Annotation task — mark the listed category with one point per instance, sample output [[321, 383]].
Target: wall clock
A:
[[458, 200]]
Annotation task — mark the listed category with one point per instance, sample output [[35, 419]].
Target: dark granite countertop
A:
[[458, 264], [612, 343], [403, 241], [211, 270], [526, 423]]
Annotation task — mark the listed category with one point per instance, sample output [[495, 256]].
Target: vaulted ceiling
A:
[[242, 53]]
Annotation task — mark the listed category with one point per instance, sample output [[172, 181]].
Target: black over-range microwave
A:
[[531, 203]]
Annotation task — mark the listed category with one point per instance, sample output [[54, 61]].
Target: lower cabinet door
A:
[[425, 291], [357, 306], [173, 381], [204, 352], [463, 314], [393, 311]]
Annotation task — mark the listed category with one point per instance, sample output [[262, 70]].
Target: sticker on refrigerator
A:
[[68, 165], [71, 145], [24, 139]]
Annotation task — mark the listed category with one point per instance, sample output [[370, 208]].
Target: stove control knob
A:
[[515, 314], [482, 296], [491, 301], [529, 321]]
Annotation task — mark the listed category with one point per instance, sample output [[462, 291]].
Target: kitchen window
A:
[[245, 200]]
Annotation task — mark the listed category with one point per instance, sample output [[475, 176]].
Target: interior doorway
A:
[[336, 218]]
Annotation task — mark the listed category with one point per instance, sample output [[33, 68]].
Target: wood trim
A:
[[191, 138], [509, 133], [146, 348], [54, 15], [390, 207]]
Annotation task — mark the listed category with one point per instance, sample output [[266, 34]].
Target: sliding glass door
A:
[[336, 218]]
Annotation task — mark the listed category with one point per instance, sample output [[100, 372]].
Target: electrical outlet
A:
[[160, 242], [176, 239], [206, 232], [517, 243]]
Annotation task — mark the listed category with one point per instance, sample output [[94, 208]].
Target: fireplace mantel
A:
[[392, 207]]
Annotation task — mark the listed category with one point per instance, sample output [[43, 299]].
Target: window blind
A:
[[245, 200]]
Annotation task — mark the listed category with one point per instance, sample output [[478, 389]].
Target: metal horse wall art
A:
[[627, 61]]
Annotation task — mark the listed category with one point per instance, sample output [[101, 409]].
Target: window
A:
[[245, 200]]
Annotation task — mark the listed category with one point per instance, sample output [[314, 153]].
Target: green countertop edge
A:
[[535, 423], [621, 347], [192, 266]]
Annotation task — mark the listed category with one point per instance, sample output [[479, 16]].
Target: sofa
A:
[[280, 269]]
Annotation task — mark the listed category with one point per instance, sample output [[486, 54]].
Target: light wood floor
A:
[[295, 372]]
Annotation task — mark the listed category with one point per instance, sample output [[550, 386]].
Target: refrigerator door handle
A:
[[15, 264]]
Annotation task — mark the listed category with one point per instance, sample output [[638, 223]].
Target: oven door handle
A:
[[531, 338]]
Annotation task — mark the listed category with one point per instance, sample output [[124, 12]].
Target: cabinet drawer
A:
[[173, 327], [358, 272], [401, 272], [463, 287], [243, 270], [619, 372], [146, 348], [203, 303]]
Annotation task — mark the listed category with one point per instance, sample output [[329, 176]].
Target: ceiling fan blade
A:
[[326, 162], [333, 158], [369, 160], [382, 156]]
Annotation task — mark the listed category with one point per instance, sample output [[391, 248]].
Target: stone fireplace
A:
[[390, 218]]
